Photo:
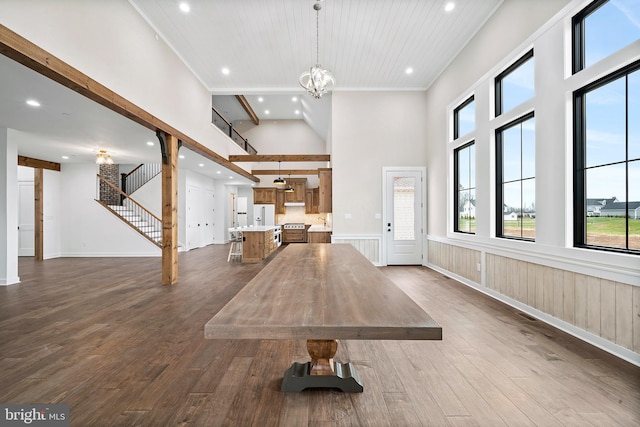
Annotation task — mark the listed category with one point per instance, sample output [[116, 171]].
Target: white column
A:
[[8, 210]]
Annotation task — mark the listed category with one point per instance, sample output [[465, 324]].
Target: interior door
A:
[[209, 217], [403, 222], [194, 218], [26, 218]]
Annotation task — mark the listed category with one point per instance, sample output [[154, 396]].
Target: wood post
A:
[[38, 191], [170, 212]]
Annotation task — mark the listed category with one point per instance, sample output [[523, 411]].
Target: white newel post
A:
[[8, 210]]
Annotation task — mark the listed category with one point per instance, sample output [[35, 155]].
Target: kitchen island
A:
[[259, 242]]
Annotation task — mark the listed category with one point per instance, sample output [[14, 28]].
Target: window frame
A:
[[499, 176], [498, 110], [456, 118], [579, 160], [456, 198]]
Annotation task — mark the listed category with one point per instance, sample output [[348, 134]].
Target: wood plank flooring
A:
[[103, 336]]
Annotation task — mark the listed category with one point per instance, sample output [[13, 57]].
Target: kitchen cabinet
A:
[[264, 196], [258, 243], [299, 186], [325, 198], [311, 201], [319, 237], [280, 208]]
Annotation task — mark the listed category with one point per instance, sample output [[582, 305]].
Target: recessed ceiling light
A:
[[230, 177], [409, 70], [225, 71], [201, 165], [150, 143], [218, 172], [260, 99], [33, 103], [184, 6], [294, 99], [65, 157], [181, 156], [449, 6], [266, 111], [297, 112]]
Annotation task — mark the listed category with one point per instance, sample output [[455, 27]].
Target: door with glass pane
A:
[[403, 227]]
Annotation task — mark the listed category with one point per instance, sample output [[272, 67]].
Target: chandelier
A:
[[103, 158], [317, 81]]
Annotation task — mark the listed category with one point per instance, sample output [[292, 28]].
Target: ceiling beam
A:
[[285, 172], [21, 50], [247, 107], [280, 158], [38, 164]]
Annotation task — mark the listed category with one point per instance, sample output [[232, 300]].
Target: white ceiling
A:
[[266, 44]]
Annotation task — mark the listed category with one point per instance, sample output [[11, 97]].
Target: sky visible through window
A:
[[614, 25]]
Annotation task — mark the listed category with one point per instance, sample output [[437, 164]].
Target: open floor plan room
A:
[[100, 335]]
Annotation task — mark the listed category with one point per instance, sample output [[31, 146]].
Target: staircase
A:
[[152, 230], [131, 212]]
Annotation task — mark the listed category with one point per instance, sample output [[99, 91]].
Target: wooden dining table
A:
[[322, 293]]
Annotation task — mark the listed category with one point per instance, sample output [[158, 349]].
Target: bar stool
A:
[[236, 244]]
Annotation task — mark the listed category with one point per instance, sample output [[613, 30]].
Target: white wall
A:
[[371, 130], [8, 209], [110, 42], [88, 229]]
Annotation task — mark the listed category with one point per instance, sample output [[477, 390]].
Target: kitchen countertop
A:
[[256, 228], [320, 229]]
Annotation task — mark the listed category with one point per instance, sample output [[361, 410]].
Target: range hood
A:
[[294, 204]]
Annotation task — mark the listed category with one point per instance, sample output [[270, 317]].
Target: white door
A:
[[26, 218], [209, 217], [194, 218], [403, 215]]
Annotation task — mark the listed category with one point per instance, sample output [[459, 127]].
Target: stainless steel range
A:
[[294, 233]]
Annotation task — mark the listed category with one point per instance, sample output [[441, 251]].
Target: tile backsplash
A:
[[296, 214]]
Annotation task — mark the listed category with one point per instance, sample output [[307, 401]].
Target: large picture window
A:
[[607, 162], [515, 178], [602, 28], [465, 188], [515, 85]]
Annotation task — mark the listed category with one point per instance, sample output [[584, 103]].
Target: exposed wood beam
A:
[[247, 107], [285, 172], [38, 164], [170, 212], [21, 50], [38, 229], [280, 158]]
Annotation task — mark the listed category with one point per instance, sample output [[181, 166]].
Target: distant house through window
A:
[[516, 179], [465, 188]]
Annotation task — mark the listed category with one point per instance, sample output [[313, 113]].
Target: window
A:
[[515, 84], [607, 162], [464, 118], [465, 188], [602, 28], [515, 177]]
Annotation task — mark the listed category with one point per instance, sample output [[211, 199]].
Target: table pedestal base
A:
[[298, 377]]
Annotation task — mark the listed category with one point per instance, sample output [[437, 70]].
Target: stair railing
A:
[[139, 218], [226, 126], [143, 173]]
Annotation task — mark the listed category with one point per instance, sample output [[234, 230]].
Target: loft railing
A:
[[226, 126], [131, 212], [143, 173]]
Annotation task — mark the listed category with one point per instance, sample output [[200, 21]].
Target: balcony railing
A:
[[222, 123]]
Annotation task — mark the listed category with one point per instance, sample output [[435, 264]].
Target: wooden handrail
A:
[[134, 169], [125, 195]]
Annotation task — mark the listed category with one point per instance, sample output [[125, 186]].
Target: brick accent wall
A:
[[112, 174]]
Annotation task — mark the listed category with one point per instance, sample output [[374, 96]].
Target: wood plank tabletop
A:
[[321, 291]]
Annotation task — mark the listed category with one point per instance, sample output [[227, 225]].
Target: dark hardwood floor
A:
[[103, 336]]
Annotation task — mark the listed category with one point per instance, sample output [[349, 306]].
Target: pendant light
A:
[[289, 188], [279, 181], [317, 81]]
